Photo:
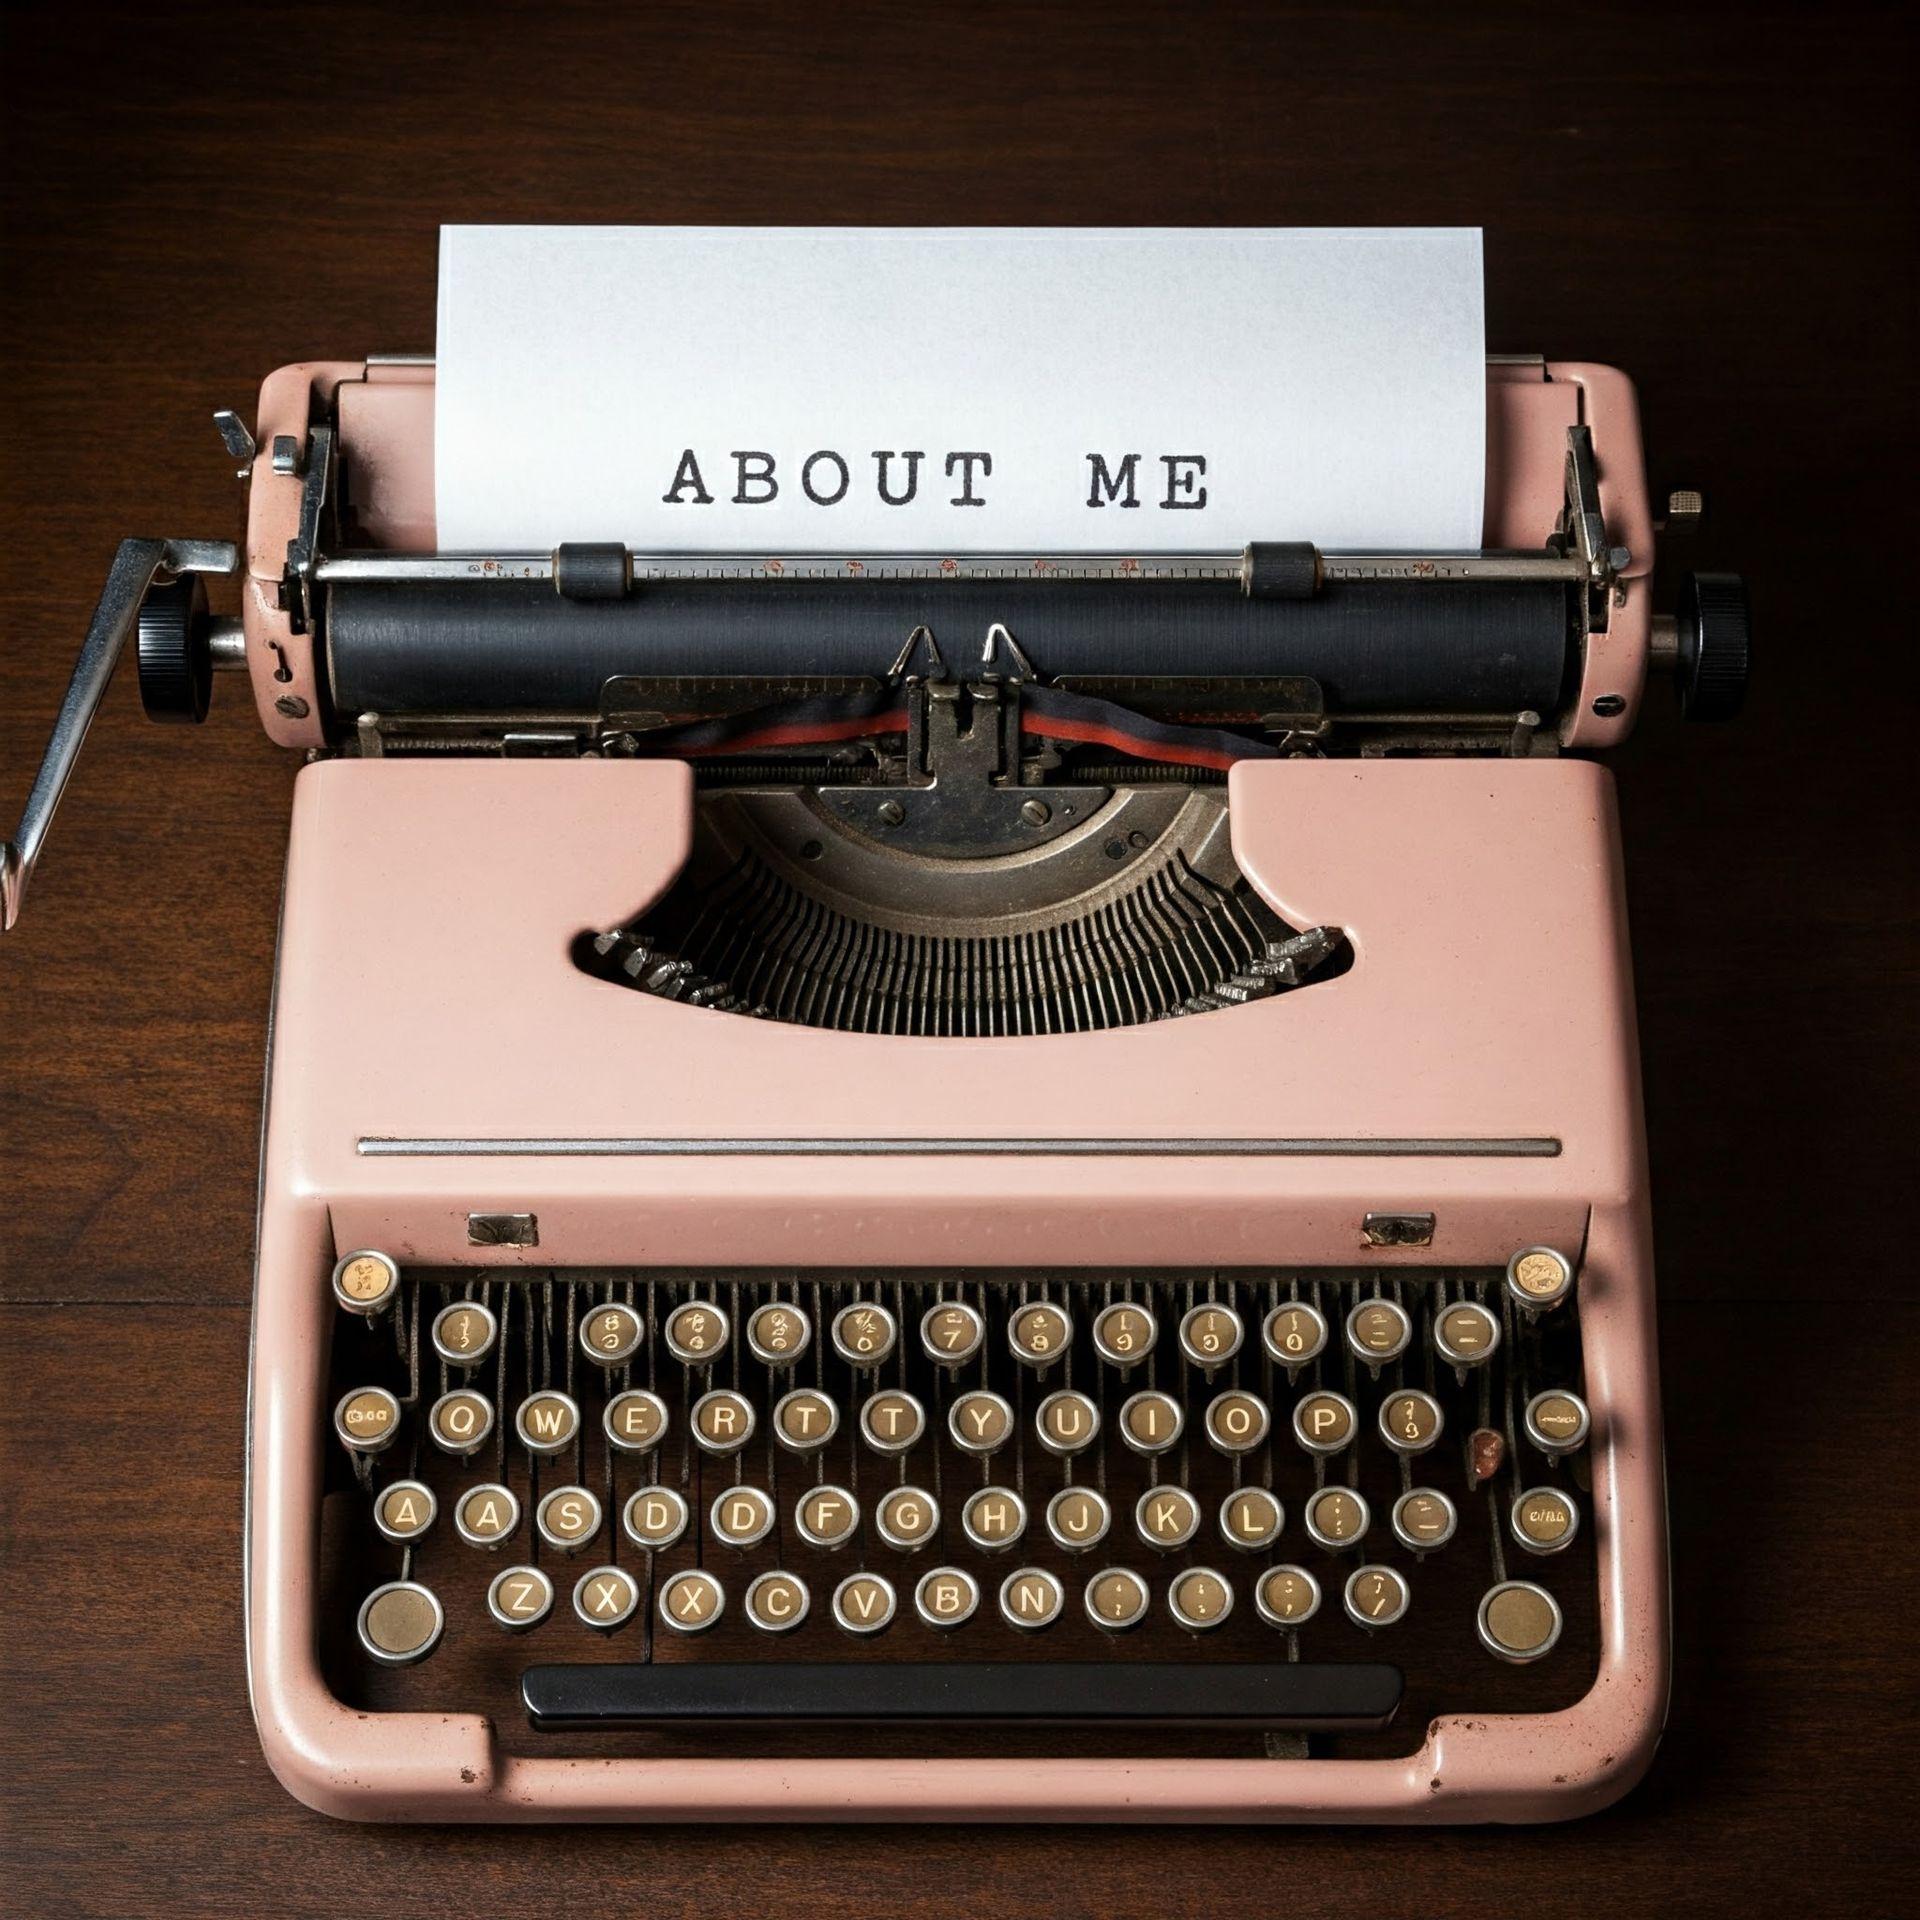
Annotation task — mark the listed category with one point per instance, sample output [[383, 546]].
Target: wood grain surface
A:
[[1717, 201]]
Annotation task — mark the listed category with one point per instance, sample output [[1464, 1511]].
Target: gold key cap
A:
[[946, 1597], [864, 1603], [464, 1332], [1031, 1599], [547, 1421], [1166, 1517], [1557, 1422], [696, 1332], [742, 1516], [1423, 1519], [952, 1333], [1210, 1335], [906, 1518], [1465, 1334], [723, 1421], [1078, 1518], [1123, 1334], [1117, 1600], [1519, 1621], [367, 1420], [1294, 1334], [805, 1420], [827, 1517], [519, 1598], [366, 1283], [1323, 1423], [1376, 1596], [610, 1335], [1066, 1423], [460, 1422], [655, 1517], [1200, 1599], [1236, 1422], [692, 1601], [485, 1515], [993, 1518], [1039, 1333], [605, 1598], [980, 1422], [777, 1602], [864, 1334], [1151, 1422], [400, 1623], [1378, 1331], [777, 1335], [1544, 1520], [405, 1510], [1539, 1278], [635, 1421], [1337, 1517], [1412, 1421], [892, 1422], [567, 1518], [1286, 1597], [1251, 1519]]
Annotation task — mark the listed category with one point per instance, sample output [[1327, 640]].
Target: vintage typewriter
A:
[[875, 1207]]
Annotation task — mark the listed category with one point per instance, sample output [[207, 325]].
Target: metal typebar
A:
[[135, 567]]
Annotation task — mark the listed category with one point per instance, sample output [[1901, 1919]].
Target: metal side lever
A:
[[135, 568]]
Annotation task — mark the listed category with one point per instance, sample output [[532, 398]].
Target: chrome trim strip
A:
[[1540, 1147]]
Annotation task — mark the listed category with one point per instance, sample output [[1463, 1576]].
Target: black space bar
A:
[[1172, 1693]]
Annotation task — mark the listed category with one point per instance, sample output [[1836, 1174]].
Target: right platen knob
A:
[[1714, 646]]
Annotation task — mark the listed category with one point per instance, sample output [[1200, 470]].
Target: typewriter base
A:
[[1515, 870]]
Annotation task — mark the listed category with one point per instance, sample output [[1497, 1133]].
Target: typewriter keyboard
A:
[[920, 1512]]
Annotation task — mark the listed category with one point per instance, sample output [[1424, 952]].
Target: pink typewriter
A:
[[874, 1208]]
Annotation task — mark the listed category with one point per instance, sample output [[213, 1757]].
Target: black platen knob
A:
[[1715, 645], [176, 651]]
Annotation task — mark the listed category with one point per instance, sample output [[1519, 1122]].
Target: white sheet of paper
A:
[[1205, 387]]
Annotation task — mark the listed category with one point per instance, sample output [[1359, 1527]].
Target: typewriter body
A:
[[876, 1207]]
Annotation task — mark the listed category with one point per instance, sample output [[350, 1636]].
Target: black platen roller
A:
[[1374, 647]]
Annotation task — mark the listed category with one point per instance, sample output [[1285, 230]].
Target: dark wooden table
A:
[[1716, 202]]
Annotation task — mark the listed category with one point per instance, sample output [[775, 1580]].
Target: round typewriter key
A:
[[1199, 1599], [1210, 1336], [1294, 1334], [1066, 1423], [1411, 1422], [696, 1332], [567, 1518], [485, 1515], [1538, 1278], [742, 1516], [1031, 1598], [980, 1422], [892, 1422], [952, 1333], [777, 1602], [405, 1510], [464, 1333], [1519, 1621], [1152, 1422], [1117, 1599], [519, 1598], [946, 1597], [1323, 1423], [610, 1335], [547, 1421], [1286, 1596], [692, 1601], [1424, 1518], [1166, 1517], [1465, 1334], [635, 1421], [1078, 1518], [1376, 1597], [366, 1283], [993, 1518], [460, 1421], [1039, 1333], [864, 1334], [1557, 1422], [1123, 1334], [655, 1518], [1236, 1422], [606, 1597], [1251, 1519], [864, 1603], [1336, 1518], [1544, 1520], [805, 1420], [907, 1518], [1378, 1331], [723, 1420], [777, 1335], [367, 1419], [827, 1517], [400, 1623]]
